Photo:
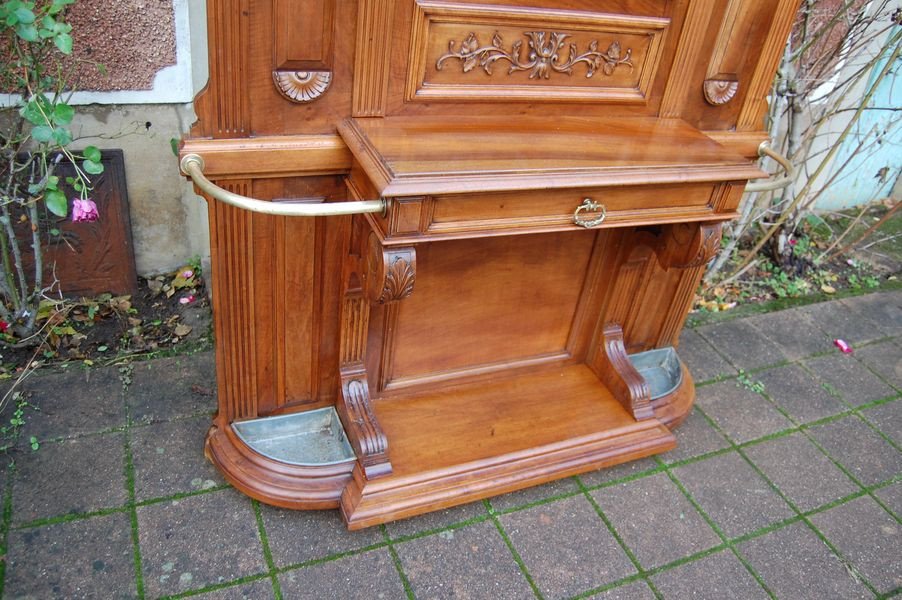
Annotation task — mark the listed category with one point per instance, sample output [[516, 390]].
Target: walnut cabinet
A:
[[542, 184]]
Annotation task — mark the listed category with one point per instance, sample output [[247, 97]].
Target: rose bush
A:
[[34, 139]]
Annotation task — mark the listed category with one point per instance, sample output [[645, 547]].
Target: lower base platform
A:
[[464, 444]]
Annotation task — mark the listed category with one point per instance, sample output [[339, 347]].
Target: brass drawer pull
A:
[[589, 205]]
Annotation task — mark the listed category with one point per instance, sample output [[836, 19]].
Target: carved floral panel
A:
[[486, 52]]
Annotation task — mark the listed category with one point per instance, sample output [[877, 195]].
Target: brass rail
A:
[[192, 165], [776, 183]]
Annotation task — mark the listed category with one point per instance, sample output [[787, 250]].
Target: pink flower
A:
[[187, 274], [84, 210], [187, 299], [4, 326]]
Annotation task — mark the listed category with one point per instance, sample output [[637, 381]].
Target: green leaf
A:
[[91, 153], [29, 32], [35, 109], [24, 15], [42, 133], [63, 114], [63, 41], [54, 231], [174, 144], [62, 136], [57, 203], [34, 188], [92, 168]]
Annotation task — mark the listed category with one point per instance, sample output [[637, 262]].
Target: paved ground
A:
[[787, 483]]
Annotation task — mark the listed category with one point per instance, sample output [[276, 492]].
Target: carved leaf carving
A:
[[543, 56], [399, 280]]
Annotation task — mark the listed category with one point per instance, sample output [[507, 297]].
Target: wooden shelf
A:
[[473, 441], [404, 156]]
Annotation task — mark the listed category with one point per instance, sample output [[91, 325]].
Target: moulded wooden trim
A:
[[687, 56], [272, 156], [366, 503], [744, 143], [751, 116], [273, 482]]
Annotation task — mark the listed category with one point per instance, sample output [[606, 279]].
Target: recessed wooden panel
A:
[[525, 292], [303, 37], [482, 52]]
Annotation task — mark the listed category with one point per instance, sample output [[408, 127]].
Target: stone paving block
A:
[[535, 494], [888, 419], [617, 472], [730, 491], [744, 346], [166, 388], [73, 403], [655, 520], [365, 576], [169, 458], [884, 358], [566, 547], [801, 471], [198, 541], [701, 358], [799, 393], [436, 520], [69, 477], [260, 589], [883, 309], [695, 437], [840, 320], [793, 331], [855, 383], [637, 590], [866, 455], [473, 562], [892, 497], [715, 577], [89, 558], [868, 537], [298, 536], [795, 564], [742, 414]]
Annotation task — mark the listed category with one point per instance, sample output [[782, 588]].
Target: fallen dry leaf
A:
[[182, 330]]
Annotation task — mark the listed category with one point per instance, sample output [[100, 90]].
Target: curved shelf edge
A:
[[273, 482]]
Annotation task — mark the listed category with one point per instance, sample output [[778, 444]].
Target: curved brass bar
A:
[[192, 165], [778, 183]]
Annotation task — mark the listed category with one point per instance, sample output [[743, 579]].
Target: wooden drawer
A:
[[550, 208], [506, 213]]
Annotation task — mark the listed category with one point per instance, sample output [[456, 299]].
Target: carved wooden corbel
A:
[[364, 432], [391, 272], [354, 405], [620, 376], [688, 245]]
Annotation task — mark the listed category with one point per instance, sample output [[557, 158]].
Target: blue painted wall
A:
[[872, 174]]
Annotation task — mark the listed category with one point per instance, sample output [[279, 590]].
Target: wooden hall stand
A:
[[454, 243]]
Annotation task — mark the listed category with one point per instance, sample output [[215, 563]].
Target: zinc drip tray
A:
[[661, 369], [311, 438]]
